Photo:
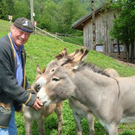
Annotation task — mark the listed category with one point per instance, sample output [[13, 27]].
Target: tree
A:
[[93, 24], [124, 27], [71, 11], [10, 5], [6, 8], [46, 15], [21, 9], [52, 15]]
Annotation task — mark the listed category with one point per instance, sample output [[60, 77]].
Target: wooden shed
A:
[[104, 23]]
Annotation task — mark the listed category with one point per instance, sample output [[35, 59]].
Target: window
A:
[[116, 48], [99, 48]]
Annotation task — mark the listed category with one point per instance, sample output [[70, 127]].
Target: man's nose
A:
[[23, 35]]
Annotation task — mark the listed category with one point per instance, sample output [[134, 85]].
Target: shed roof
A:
[[80, 23]]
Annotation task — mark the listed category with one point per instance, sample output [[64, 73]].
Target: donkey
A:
[[31, 114], [111, 100], [111, 72], [79, 110]]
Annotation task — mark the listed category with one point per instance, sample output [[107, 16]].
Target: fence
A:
[[46, 33]]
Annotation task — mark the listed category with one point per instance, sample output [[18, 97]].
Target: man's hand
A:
[[37, 105]]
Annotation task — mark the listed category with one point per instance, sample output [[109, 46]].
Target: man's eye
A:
[[27, 34], [20, 32]]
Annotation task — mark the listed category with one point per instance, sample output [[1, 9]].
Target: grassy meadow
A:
[[41, 50]]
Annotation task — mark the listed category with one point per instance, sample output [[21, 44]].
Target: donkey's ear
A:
[[72, 55], [84, 55], [43, 71], [62, 54], [38, 70], [78, 54], [81, 56]]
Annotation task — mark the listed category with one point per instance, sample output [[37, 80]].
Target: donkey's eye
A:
[[53, 70], [55, 79]]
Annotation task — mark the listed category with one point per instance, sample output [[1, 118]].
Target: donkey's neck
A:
[[91, 87], [97, 79]]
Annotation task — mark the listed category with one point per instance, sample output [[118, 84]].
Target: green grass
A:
[[4, 26], [41, 50], [74, 40]]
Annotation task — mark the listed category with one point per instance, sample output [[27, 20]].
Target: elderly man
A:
[[14, 88]]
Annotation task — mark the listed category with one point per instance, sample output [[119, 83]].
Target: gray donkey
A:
[[79, 110], [31, 114], [111, 100]]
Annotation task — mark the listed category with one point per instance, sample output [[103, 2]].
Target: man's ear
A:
[[11, 27]]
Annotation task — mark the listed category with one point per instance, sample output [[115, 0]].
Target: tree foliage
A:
[[5, 10], [52, 15], [124, 25], [24, 6]]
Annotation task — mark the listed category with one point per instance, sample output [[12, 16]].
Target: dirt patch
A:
[[126, 63]]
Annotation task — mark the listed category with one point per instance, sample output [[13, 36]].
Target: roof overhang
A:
[[79, 24]]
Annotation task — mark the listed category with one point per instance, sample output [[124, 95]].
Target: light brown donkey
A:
[[31, 114]]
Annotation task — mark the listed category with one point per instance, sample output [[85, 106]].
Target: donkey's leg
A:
[[28, 126], [78, 123], [58, 112], [113, 129], [40, 123], [90, 119]]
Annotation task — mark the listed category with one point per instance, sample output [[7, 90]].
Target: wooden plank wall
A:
[[103, 25]]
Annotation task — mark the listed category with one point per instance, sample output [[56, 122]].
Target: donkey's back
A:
[[127, 99]]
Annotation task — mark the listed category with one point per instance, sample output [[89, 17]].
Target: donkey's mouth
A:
[[46, 103], [43, 97]]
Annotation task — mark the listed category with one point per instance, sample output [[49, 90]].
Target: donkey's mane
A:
[[93, 67]]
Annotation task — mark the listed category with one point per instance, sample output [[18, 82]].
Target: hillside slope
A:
[[41, 50]]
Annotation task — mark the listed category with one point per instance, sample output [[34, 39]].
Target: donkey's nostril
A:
[[37, 87], [44, 102]]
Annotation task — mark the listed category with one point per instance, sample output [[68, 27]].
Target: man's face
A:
[[19, 36]]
